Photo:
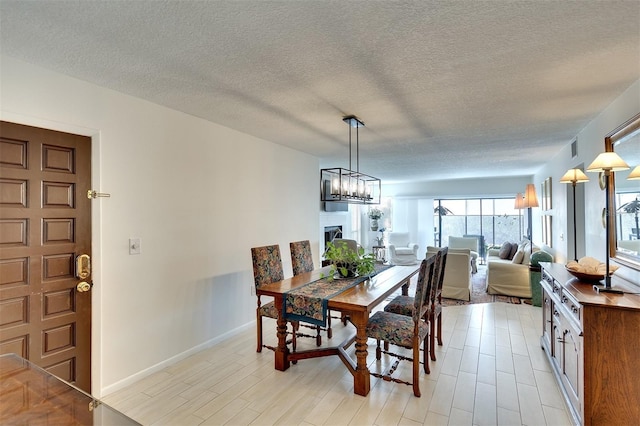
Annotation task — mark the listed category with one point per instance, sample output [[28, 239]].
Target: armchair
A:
[[470, 243], [457, 279], [401, 250]]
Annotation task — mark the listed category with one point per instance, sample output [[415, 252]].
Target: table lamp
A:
[[607, 162], [574, 176]]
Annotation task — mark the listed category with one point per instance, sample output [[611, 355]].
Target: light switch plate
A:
[[134, 246]]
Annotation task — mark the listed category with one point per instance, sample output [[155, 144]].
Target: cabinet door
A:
[[571, 358], [547, 321], [557, 342]]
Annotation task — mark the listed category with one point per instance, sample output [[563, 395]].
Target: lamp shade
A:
[[530, 197], [635, 173], [607, 161], [574, 176], [519, 204]]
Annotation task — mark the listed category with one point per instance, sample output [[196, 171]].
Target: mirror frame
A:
[[627, 129]]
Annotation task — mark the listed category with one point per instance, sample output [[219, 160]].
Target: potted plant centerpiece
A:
[[346, 262], [375, 214]]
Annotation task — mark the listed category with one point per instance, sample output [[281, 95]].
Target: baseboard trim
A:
[[170, 361]]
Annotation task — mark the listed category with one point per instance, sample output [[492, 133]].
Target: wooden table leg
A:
[[282, 351], [361, 378], [405, 287]]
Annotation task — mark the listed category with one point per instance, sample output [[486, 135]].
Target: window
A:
[[492, 220]]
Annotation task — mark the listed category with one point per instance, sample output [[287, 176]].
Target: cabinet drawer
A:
[[547, 278], [556, 288], [573, 307]]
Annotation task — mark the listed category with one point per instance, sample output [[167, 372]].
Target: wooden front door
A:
[[45, 225]]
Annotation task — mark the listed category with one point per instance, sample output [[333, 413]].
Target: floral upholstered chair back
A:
[[438, 281], [267, 265], [423, 288], [301, 259]]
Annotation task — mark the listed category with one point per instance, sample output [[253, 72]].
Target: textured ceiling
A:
[[451, 89]]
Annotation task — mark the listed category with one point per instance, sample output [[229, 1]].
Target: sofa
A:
[[509, 275], [457, 273], [470, 243], [401, 250]]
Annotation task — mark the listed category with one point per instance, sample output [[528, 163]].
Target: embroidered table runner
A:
[[308, 303]]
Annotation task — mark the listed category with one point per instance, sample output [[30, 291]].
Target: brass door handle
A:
[[83, 286]]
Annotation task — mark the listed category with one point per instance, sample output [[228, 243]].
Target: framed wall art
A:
[[546, 194], [546, 230]]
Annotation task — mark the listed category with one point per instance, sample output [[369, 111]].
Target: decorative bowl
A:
[[586, 277]]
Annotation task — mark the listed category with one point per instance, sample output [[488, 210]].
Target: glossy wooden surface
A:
[[30, 395], [586, 295], [605, 347], [357, 302]]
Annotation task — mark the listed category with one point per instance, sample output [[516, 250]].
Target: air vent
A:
[[574, 148]]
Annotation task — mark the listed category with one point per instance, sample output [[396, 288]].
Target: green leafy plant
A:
[[348, 263], [442, 211]]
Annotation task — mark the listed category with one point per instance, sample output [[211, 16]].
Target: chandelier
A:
[[346, 185]]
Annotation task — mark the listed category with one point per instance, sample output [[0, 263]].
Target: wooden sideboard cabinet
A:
[[592, 341]]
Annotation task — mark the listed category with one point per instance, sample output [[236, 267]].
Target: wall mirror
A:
[[624, 198]]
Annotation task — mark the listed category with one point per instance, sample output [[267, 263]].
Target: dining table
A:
[[355, 302]]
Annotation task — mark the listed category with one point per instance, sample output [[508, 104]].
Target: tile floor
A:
[[490, 371]]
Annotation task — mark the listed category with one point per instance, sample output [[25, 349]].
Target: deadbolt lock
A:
[[83, 266]]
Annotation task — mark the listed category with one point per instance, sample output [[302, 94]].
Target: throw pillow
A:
[[505, 250], [514, 250], [518, 257], [522, 244]]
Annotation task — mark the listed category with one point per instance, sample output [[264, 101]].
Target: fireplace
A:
[[331, 233]]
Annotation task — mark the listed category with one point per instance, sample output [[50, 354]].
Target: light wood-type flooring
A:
[[490, 370]]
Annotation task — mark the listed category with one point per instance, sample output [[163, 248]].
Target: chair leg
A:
[[416, 369], [329, 330], [295, 326], [432, 342], [386, 345], [378, 350], [425, 357], [318, 336], [439, 328], [259, 331]]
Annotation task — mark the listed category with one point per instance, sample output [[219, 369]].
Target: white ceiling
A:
[[449, 89]]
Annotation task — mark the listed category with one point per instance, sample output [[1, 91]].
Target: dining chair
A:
[[350, 244], [406, 331], [404, 305], [302, 261], [267, 268], [435, 310]]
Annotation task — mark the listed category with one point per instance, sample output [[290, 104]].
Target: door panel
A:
[[45, 223]]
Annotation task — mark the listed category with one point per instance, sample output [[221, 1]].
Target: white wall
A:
[[199, 195]]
